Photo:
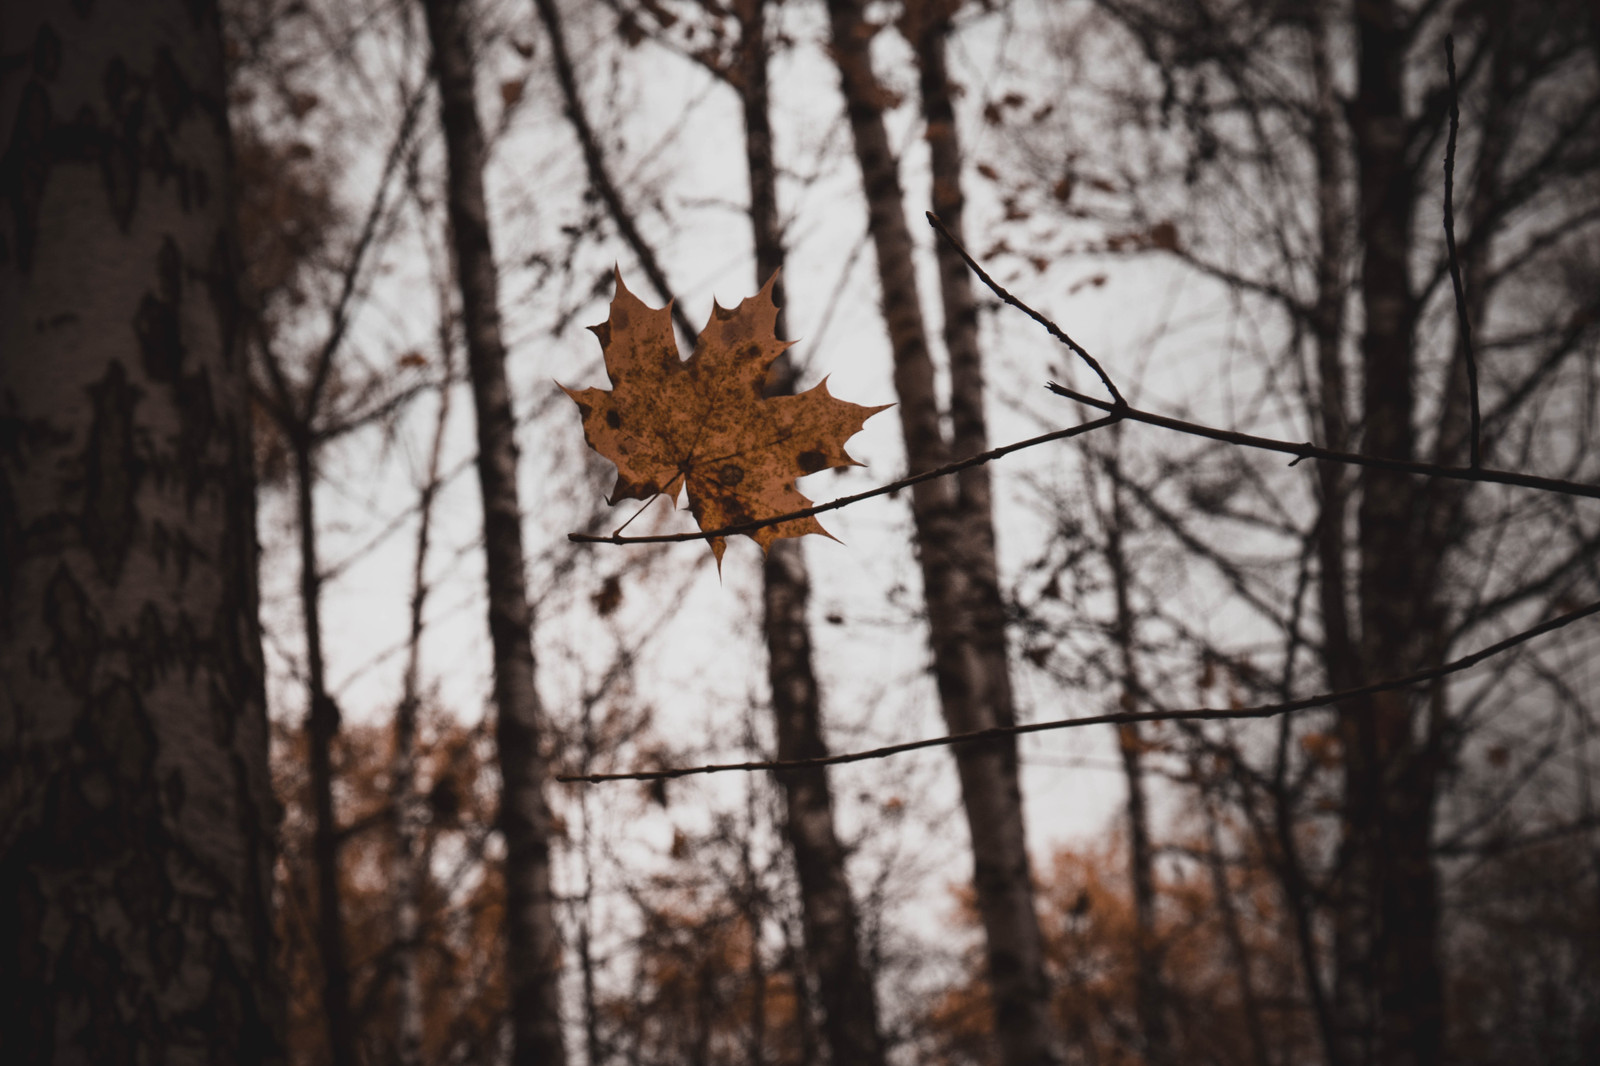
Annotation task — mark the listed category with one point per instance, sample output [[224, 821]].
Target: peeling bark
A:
[[533, 950], [137, 817]]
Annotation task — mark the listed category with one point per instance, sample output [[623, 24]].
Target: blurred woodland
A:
[[1269, 652]]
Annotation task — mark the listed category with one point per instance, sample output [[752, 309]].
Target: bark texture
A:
[[955, 546], [532, 937], [136, 816]]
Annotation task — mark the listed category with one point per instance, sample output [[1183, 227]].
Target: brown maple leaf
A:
[[705, 424]]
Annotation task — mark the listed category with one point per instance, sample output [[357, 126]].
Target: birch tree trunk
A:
[[137, 818], [849, 1001], [532, 937], [955, 547]]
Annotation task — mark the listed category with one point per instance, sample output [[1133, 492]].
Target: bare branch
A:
[[1196, 714], [594, 161], [845, 501], [1055, 331], [1450, 246], [1311, 451]]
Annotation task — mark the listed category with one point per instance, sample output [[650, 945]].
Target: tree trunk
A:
[[1149, 988], [322, 731], [1338, 648], [849, 1001], [752, 908], [1389, 985], [406, 806], [137, 817], [955, 546], [1232, 930], [532, 938]]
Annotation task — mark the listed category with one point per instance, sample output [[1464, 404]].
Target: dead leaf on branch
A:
[[704, 423]]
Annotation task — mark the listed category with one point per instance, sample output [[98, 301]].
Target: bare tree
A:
[[407, 805], [955, 547], [830, 923], [1399, 569], [532, 936], [306, 417], [849, 1000]]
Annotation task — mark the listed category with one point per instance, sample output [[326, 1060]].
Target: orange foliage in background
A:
[[461, 957], [1087, 916], [696, 999]]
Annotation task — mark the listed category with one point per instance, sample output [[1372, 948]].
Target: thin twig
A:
[[1311, 451], [999, 290], [339, 314], [1271, 710], [844, 501], [1450, 247], [599, 176]]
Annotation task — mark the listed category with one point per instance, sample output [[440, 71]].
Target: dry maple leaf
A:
[[705, 424]]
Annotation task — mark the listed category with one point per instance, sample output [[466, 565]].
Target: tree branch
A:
[[1271, 710], [845, 501], [594, 161], [1053, 329], [1311, 451], [1455, 262]]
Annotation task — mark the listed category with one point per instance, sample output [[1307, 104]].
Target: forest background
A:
[[1239, 208]]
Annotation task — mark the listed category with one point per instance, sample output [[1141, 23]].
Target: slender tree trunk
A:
[[753, 911], [929, 27], [406, 872], [532, 938], [966, 620], [136, 814], [1233, 931], [1389, 982], [849, 1001], [794, 962], [322, 732], [1328, 336], [594, 1053], [1493, 126], [1339, 655], [1150, 990]]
